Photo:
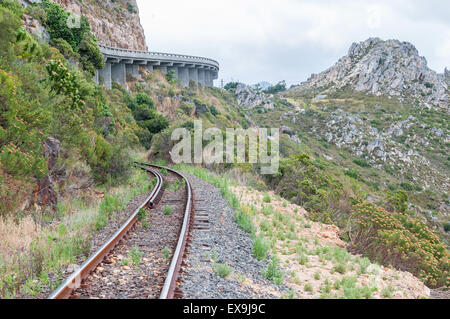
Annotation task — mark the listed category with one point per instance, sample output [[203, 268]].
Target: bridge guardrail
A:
[[156, 55]]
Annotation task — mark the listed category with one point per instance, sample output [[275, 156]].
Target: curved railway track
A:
[[169, 290]]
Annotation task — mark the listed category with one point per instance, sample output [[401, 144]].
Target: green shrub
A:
[[260, 248], [267, 210], [308, 288], [13, 6], [187, 108], [136, 255], [231, 86], [340, 268], [168, 210], [144, 99], [64, 47], [364, 264], [273, 272], [244, 221], [447, 227], [108, 205], [299, 181], [144, 112], [387, 292], [279, 87], [352, 291], [398, 201], [91, 57], [101, 221], [222, 270], [9, 24], [131, 8], [352, 173], [407, 187], [142, 214], [171, 77], [214, 110], [361, 162], [166, 253]]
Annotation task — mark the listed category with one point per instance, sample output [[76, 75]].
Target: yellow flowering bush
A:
[[401, 241]]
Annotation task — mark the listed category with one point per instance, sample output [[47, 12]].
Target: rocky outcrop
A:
[[34, 27], [251, 98], [380, 67], [115, 23], [45, 194]]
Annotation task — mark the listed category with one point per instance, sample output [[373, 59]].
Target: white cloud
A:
[[277, 40]]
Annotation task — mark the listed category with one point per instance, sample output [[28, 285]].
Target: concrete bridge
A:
[[121, 63]]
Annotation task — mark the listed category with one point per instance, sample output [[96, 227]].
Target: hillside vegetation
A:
[[47, 94], [67, 144], [375, 166]]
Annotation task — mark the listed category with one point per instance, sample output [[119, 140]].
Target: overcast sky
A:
[[274, 40]]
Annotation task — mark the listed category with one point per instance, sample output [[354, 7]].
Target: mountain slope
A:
[[114, 23], [378, 67]]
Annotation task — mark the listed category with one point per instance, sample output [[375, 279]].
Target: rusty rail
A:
[[168, 291], [74, 281]]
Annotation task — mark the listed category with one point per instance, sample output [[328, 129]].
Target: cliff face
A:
[[115, 23], [380, 67]]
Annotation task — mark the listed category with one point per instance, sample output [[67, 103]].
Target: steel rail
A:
[[169, 287], [74, 281]]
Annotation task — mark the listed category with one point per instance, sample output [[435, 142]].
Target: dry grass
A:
[[16, 236], [30, 253], [13, 194]]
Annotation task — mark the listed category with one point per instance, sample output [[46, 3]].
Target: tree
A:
[[91, 57], [9, 23], [280, 87], [231, 86]]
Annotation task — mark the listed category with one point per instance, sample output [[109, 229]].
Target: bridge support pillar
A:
[[208, 78], [161, 68], [105, 74], [211, 78], [193, 75], [201, 78], [119, 73], [149, 68], [183, 76], [133, 70]]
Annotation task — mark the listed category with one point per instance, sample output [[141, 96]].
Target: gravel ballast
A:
[[230, 245]]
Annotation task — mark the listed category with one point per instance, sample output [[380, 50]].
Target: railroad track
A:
[[169, 289]]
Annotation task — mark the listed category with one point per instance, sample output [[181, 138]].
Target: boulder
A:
[[377, 144], [51, 151], [45, 193]]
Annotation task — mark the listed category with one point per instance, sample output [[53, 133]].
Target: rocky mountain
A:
[[391, 68], [115, 23], [378, 120]]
